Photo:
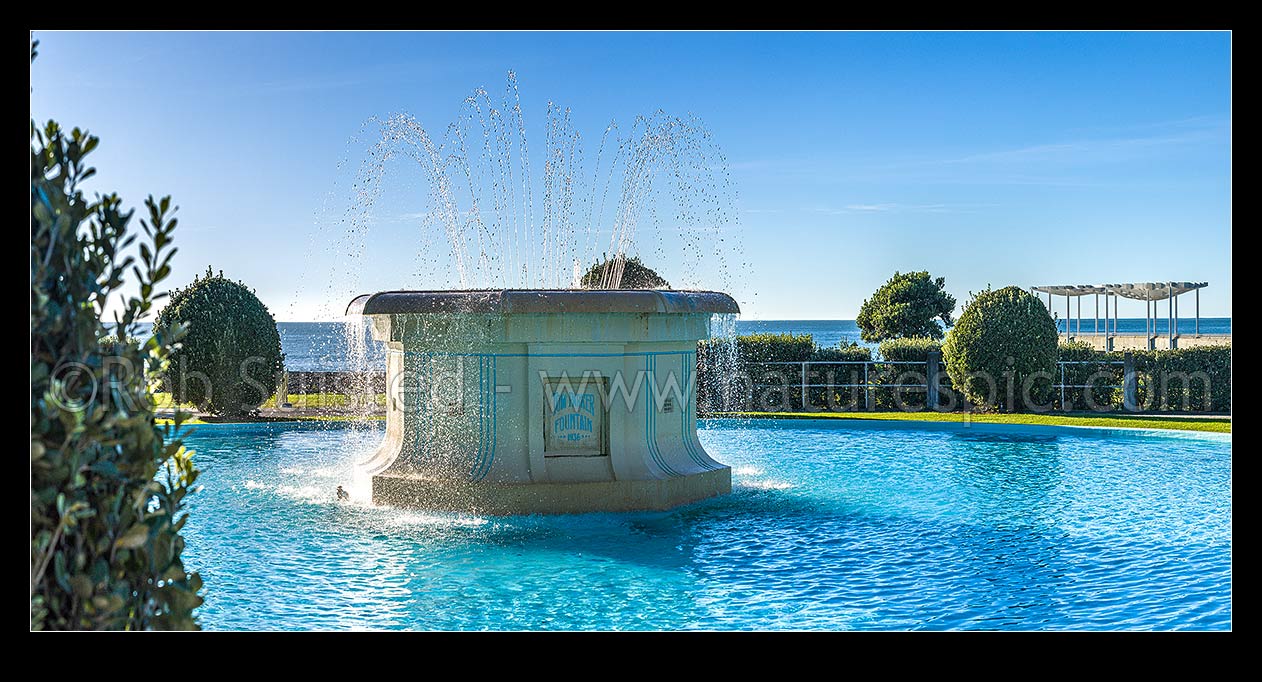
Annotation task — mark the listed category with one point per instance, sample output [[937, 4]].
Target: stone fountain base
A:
[[549, 498], [542, 401]]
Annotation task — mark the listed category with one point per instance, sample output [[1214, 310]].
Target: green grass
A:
[[1214, 424], [288, 418], [1134, 421], [298, 400], [321, 400], [161, 421], [303, 400]]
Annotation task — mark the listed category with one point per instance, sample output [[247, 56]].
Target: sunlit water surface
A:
[[828, 527]]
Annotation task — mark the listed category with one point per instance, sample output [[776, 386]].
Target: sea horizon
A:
[[323, 347]]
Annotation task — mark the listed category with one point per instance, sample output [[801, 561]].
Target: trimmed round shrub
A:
[[230, 360], [1001, 354], [635, 275]]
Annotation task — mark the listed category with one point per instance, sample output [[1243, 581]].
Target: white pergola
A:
[[1149, 292]]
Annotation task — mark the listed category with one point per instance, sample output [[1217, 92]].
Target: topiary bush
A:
[[910, 304], [634, 275], [230, 361], [1001, 354]]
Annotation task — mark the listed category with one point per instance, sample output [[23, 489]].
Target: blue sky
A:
[[987, 158]]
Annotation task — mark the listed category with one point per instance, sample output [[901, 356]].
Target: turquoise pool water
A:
[[830, 526]]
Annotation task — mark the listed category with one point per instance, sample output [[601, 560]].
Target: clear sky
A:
[[987, 158]]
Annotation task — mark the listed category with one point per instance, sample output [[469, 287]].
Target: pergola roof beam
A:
[[1140, 291]]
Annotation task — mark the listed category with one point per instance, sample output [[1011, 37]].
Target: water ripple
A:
[[826, 528]]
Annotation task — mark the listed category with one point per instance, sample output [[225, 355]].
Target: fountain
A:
[[521, 401], [510, 389]]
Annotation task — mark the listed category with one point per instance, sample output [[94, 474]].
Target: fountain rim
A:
[[526, 301]]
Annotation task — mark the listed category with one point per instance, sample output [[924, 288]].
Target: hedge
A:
[[1185, 379], [1098, 372], [840, 397], [905, 350], [723, 386], [754, 383], [1168, 380], [1178, 380]]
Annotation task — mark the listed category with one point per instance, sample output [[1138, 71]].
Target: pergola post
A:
[[1114, 316], [1149, 322], [1106, 322], [1170, 316], [1078, 328], [1067, 318], [1097, 314], [1198, 312]]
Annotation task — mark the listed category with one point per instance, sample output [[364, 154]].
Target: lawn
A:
[[1215, 424], [301, 400]]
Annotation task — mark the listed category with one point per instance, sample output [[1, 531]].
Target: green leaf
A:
[[135, 537]]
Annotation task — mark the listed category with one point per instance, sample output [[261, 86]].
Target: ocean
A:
[[322, 346]]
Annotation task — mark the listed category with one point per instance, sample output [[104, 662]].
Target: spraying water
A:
[[482, 213], [489, 215]]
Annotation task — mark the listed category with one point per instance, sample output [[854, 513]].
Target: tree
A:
[[629, 273], [105, 527], [1004, 344], [909, 305], [230, 360]]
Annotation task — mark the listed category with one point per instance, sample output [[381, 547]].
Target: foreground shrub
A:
[[105, 526], [1001, 354], [230, 361]]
